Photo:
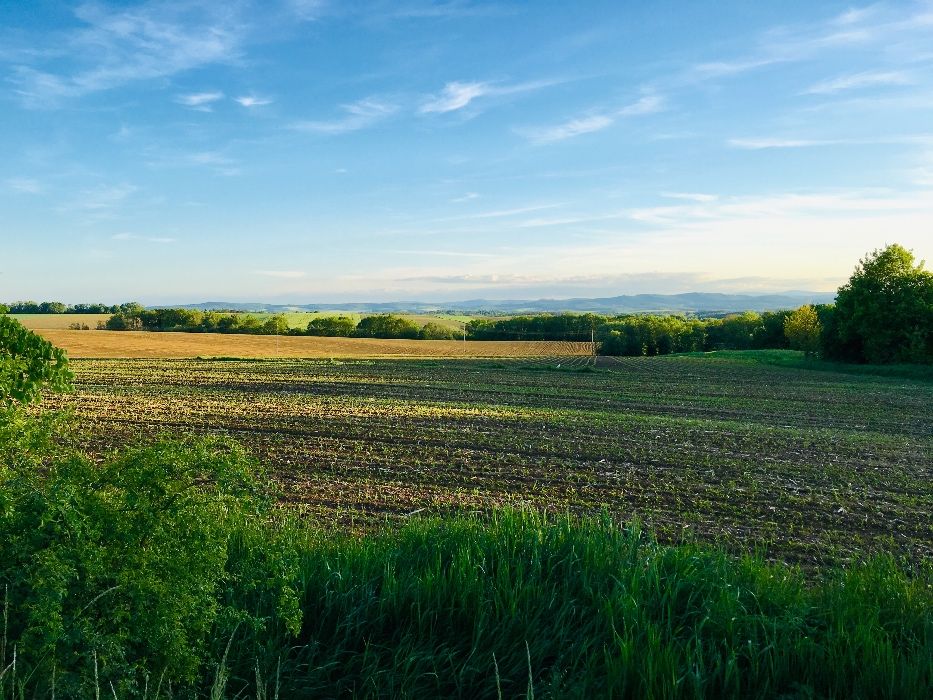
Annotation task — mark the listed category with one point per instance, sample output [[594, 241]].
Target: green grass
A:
[[797, 360], [520, 605], [102, 559]]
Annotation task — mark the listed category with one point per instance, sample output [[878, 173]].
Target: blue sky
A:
[[302, 150]]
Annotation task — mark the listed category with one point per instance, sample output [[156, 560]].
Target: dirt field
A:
[[133, 344]]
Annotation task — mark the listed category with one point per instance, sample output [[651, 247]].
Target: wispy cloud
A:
[[875, 25], [103, 197], [648, 104], [569, 129], [454, 96], [468, 197], [499, 213], [25, 185], [443, 253], [282, 274], [217, 161], [253, 101], [451, 9], [457, 95], [756, 144], [144, 239], [115, 46], [358, 115], [201, 101], [762, 143], [858, 81], [691, 196]]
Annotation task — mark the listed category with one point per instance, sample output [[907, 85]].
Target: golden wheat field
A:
[[142, 344], [38, 322]]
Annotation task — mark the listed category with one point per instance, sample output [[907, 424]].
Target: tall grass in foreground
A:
[[163, 572], [524, 606]]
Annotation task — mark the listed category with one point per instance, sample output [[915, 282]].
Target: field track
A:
[[135, 345]]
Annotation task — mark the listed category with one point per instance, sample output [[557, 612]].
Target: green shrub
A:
[[28, 364], [120, 569]]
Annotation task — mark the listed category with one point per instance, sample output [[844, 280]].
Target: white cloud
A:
[[116, 46], [104, 197], [859, 80], [282, 274], [454, 96], [469, 196], [253, 101], [25, 185], [200, 100], [457, 95], [779, 142], [648, 104], [691, 196], [756, 144], [888, 26], [145, 239], [569, 129], [511, 212], [358, 115]]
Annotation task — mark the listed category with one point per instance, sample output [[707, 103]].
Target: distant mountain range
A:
[[699, 303]]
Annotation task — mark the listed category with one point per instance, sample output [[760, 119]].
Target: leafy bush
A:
[[28, 363], [120, 569]]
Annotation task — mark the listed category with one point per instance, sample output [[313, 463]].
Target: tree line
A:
[[883, 314], [57, 307]]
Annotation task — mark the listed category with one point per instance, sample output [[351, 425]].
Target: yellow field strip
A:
[[141, 344]]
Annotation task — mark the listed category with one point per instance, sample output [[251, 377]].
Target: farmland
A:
[[43, 322], [807, 466], [143, 344]]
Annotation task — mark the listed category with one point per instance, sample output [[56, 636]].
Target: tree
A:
[[435, 331], [276, 325], [28, 364], [4, 309], [387, 326], [332, 326], [802, 330], [884, 313]]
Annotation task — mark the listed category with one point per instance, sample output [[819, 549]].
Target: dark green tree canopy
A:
[[28, 363], [884, 313]]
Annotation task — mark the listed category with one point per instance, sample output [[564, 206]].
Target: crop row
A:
[[809, 465]]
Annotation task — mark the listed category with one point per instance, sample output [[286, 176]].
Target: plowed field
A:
[[808, 465]]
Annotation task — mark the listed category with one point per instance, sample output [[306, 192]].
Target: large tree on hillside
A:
[[884, 313]]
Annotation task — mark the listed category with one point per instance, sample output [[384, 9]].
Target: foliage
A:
[[57, 307], [523, 605], [121, 568], [435, 331], [386, 326], [135, 317], [803, 331], [28, 364], [4, 309], [332, 326], [884, 313]]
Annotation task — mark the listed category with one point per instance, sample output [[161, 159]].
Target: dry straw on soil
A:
[[139, 344]]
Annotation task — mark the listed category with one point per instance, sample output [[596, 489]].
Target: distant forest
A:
[[883, 314]]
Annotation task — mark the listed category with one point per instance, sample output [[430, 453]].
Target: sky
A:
[[301, 151]]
